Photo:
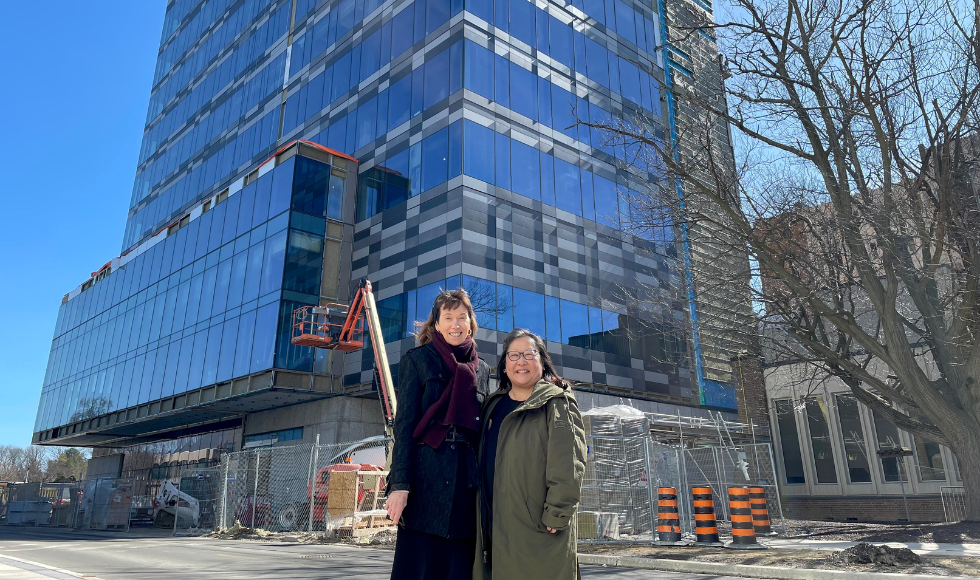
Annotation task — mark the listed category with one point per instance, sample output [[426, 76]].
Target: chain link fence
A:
[[722, 467], [954, 503], [625, 466], [336, 488]]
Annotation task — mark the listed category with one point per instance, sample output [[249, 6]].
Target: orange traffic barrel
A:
[[760, 511], [668, 518], [743, 530], [705, 524]]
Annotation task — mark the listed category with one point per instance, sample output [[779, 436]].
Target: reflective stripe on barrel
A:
[[668, 518], [705, 524], [743, 531], [760, 511]]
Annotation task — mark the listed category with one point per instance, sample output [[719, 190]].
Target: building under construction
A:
[[294, 147]]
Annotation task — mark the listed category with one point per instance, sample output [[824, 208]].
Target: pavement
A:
[[924, 549], [43, 554]]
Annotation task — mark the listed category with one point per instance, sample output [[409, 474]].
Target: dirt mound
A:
[[865, 553]]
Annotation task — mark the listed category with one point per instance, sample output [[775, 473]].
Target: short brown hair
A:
[[449, 300]]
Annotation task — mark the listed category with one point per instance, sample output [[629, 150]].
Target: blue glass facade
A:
[[444, 152]]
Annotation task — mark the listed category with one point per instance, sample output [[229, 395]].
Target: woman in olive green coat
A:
[[532, 457]]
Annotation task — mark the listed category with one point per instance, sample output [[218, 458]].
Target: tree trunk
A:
[[966, 446]]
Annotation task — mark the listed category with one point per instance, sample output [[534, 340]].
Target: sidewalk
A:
[[944, 550]]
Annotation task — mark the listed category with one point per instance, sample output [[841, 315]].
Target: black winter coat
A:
[[429, 475]]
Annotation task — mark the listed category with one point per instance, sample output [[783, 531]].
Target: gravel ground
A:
[[958, 533], [788, 559]]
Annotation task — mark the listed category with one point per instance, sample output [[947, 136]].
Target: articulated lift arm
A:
[[319, 327]]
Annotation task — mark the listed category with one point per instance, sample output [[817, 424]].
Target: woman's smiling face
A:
[[523, 373], [454, 325]]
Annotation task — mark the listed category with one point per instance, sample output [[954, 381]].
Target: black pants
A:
[[422, 556]]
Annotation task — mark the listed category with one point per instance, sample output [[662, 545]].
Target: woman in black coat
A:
[[432, 485]]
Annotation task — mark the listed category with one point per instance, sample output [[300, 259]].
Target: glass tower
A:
[[293, 147]]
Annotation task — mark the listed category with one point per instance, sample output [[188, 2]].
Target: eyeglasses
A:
[[527, 355]]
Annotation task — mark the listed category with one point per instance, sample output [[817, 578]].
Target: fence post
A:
[[775, 486], [722, 480], [224, 493], [177, 505], [314, 458], [646, 457], [255, 489]]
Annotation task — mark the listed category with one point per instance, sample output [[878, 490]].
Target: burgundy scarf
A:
[[457, 405]]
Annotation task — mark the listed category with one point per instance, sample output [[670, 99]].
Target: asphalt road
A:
[[153, 554]]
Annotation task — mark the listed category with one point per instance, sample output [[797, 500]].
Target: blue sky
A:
[[76, 80]]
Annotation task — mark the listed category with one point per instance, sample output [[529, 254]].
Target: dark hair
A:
[[547, 366], [449, 300]]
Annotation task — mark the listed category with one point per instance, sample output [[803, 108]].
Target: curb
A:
[[747, 571]]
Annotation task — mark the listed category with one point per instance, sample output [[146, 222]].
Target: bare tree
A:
[[852, 184]]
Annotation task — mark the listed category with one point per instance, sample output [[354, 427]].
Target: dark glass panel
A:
[[304, 259], [547, 178], [561, 42], [529, 311], [855, 445], [237, 283], [435, 164], [477, 141], [789, 442], [196, 370], [525, 170], [501, 80], [502, 157], [220, 291], [575, 324], [522, 20], [310, 182], [823, 453], [263, 193], [399, 101], [210, 372], [505, 308], [243, 344], [568, 187], [288, 355], [207, 292], [401, 31], [272, 263], [478, 71], [483, 295], [392, 313], [436, 79], [523, 89]]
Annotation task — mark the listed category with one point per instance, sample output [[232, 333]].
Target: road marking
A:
[[42, 570]]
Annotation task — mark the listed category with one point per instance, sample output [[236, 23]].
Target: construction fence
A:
[[623, 476], [340, 488], [337, 488]]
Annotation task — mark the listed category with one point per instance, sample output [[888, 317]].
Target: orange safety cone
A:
[[668, 518], [743, 531], [760, 512], [705, 524]]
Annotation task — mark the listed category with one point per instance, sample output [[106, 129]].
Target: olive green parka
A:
[[537, 484]]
